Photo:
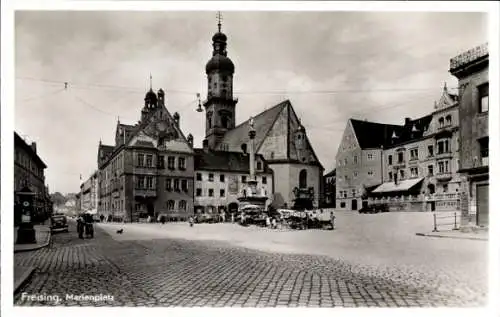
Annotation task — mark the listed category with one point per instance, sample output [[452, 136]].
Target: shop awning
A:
[[400, 187]]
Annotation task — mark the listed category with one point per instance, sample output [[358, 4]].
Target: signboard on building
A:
[[233, 184]]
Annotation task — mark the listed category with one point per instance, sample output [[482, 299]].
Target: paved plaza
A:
[[367, 261]]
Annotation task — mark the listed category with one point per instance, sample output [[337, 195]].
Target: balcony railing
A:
[[145, 192], [445, 196], [441, 155], [443, 176]]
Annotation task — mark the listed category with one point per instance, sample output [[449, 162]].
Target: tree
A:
[[58, 199]]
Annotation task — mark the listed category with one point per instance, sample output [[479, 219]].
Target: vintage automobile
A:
[[374, 209], [58, 222]]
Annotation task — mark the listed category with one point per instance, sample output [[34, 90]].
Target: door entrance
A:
[[354, 204], [151, 209], [482, 205]]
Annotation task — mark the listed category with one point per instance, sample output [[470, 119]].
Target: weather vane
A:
[[219, 19]]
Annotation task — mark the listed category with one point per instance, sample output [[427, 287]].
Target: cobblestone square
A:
[[152, 265]]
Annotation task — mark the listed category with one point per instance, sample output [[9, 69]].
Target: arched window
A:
[[209, 119], [170, 205], [182, 205], [448, 119], [441, 122], [303, 179]]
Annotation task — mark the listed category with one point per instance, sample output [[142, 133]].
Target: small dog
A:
[[119, 231]]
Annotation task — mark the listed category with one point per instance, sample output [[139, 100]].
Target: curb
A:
[[25, 277], [432, 235], [38, 246]]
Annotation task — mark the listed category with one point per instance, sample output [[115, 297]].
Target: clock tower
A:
[[220, 104]]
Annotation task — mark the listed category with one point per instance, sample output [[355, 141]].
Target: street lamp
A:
[[26, 231]]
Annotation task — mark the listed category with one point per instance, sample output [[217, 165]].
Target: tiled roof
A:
[[375, 135], [263, 122], [372, 134], [224, 161], [141, 143]]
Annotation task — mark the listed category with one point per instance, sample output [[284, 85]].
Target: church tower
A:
[[220, 104]]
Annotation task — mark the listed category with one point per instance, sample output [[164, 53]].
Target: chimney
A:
[[33, 146], [205, 145], [407, 121], [190, 139], [177, 118]]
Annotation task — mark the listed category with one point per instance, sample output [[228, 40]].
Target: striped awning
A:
[[401, 186]]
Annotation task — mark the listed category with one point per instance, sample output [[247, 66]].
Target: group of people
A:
[[85, 224]]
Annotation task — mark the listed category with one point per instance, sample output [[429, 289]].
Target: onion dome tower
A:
[[220, 104]]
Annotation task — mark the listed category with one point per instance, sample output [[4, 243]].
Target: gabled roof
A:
[[263, 123], [224, 161], [447, 100], [331, 173]]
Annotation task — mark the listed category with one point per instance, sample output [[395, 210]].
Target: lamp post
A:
[[26, 232]]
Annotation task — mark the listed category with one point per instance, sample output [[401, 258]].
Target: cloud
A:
[[291, 52]]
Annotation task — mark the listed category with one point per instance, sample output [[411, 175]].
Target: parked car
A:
[[58, 222], [374, 209]]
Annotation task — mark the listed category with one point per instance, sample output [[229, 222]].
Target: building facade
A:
[[330, 192], [221, 177], [89, 194], [29, 172], [280, 138], [411, 167], [471, 70], [149, 172]]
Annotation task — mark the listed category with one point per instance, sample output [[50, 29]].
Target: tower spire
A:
[[219, 20], [150, 82]]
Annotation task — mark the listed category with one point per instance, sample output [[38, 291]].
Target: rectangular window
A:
[[182, 163], [484, 149], [355, 174], [264, 180], [222, 178], [414, 172], [211, 177], [445, 188], [389, 159], [171, 162], [243, 179], [149, 182], [211, 192], [414, 154], [222, 193], [353, 193], [401, 174], [149, 160], [198, 192], [176, 185], [430, 170], [345, 193], [140, 182], [401, 157], [370, 173], [140, 160], [430, 150], [370, 157], [484, 102], [198, 177], [168, 184], [355, 159], [161, 162], [184, 185]]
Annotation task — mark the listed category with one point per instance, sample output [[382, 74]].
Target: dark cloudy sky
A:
[[331, 65]]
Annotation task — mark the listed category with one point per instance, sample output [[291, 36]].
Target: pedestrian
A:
[[79, 226], [268, 221], [232, 217], [101, 217], [191, 221], [332, 219], [223, 216], [162, 219], [274, 225]]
